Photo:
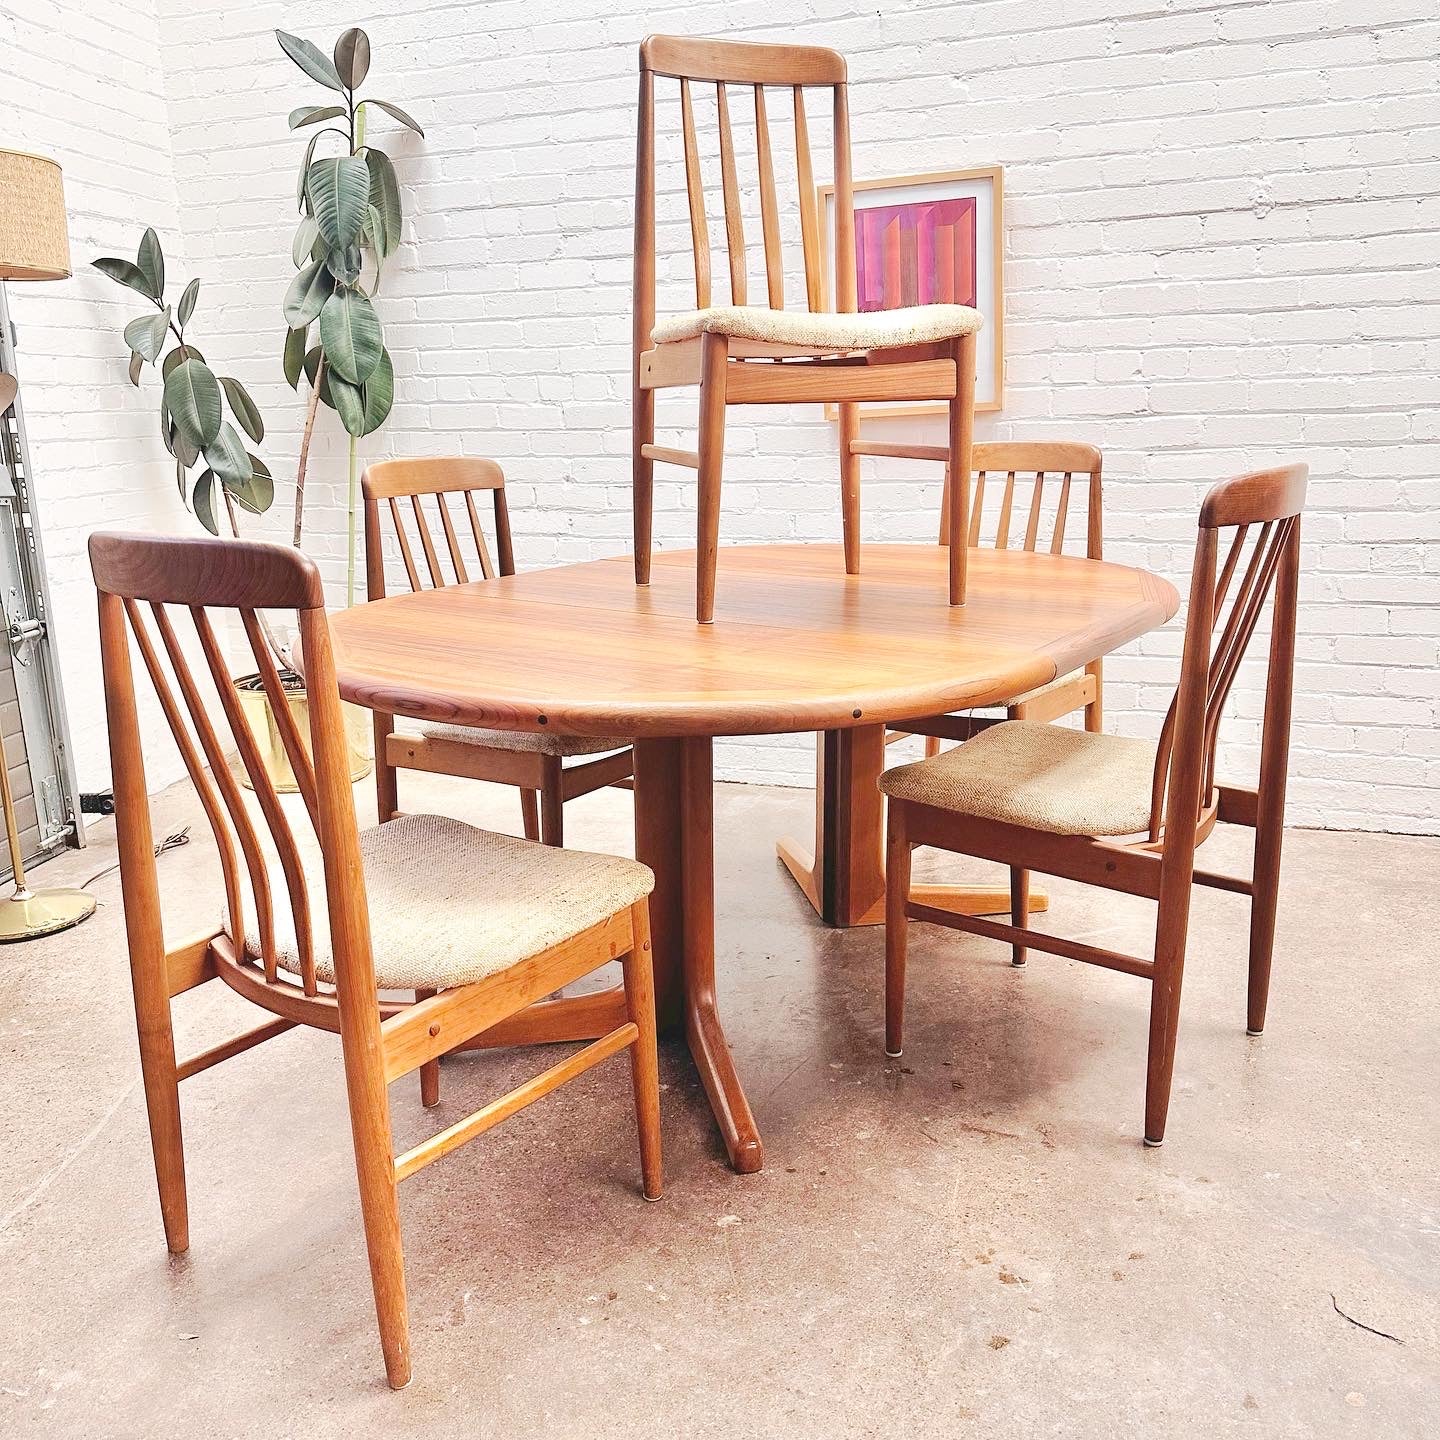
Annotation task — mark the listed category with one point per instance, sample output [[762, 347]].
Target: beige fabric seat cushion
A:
[[450, 904], [824, 330], [1045, 777], [537, 742]]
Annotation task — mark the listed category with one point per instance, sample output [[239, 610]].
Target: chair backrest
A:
[[145, 582], [449, 483], [1035, 496], [1261, 513], [731, 65]]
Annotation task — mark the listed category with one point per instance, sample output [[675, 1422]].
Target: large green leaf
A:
[[193, 395], [128, 273], [137, 363], [409, 121], [308, 292], [186, 453], [352, 57], [349, 402], [243, 408], [181, 448], [178, 356], [385, 197], [302, 247], [146, 336], [227, 456], [350, 335], [312, 369], [313, 61], [205, 501], [338, 188], [346, 265], [151, 261], [186, 307], [304, 115], [258, 492], [305, 170], [293, 358], [378, 394]]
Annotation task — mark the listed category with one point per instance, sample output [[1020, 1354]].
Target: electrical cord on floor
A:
[[173, 841]]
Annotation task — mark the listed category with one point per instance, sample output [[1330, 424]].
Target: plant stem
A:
[[350, 532], [305, 437]]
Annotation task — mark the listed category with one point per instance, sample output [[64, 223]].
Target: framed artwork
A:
[[926, 240]]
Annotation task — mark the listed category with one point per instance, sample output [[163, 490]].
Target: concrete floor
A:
[[971, 1241]]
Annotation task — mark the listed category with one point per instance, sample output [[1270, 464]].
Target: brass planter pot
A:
[[255, 704]]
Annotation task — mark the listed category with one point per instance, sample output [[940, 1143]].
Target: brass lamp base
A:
[[27, 915]]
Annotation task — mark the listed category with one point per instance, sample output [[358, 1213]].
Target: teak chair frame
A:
[[733, 371], [381, 1039], [1186, 800], [1038, 465], [545, 782]]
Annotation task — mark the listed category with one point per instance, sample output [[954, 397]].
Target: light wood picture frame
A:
[[972, 272]]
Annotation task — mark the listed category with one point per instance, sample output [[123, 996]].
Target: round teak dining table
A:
[[797, 645]]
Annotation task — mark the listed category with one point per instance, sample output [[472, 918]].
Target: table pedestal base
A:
[[843, 877], [674, 836]]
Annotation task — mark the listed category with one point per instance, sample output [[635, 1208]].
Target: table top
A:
[[796, 644]]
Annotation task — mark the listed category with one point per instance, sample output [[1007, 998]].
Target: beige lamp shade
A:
[[34, 242]]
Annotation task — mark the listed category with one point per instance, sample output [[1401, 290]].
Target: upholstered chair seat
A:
[[821, 329], [538, 743], [451, 904], [1045, 777]]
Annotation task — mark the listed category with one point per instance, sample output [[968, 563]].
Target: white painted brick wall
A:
[[90, 94], [1220, 220]]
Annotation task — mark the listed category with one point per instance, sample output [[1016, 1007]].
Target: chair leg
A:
[[932, 746], [897, 926], [1095, 710], [1270, 796], [961, 438], [1269, 834], [643, 472], [162, 1107], [644, 1058], [850, 486], [1019, 908], [387, 800], [430, 1070], [379, 1205], [1164, 1022], [530, 813], [715, 357], [552, 804]]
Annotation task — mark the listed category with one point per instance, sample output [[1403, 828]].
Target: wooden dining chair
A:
[[1049, 798], [762, 353], [320, 917], [428, 496], [1041, 485]]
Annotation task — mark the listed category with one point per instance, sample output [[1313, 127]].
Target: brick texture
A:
[[1219, 219]]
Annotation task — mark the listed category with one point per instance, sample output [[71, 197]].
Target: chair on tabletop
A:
[[760, 352]]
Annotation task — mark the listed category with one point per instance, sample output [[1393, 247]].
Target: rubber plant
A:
[[349, 204], [193, 398]]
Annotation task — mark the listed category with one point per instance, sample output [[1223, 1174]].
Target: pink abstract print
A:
[[919, 253]]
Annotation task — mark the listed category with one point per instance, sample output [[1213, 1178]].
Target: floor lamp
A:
[[34, 245]]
